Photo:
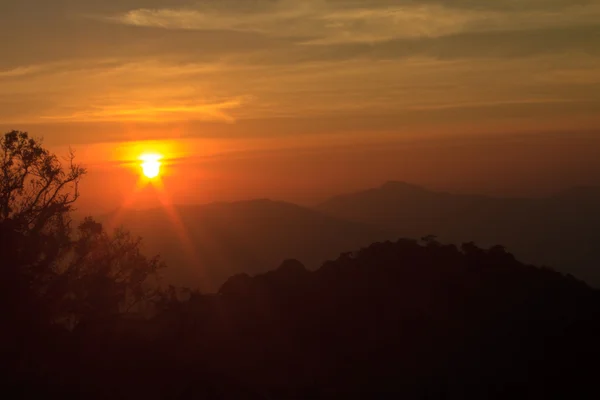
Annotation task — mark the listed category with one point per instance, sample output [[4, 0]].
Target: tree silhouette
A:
[[36, 190], [36, 195], [54, 278], [107, 275]]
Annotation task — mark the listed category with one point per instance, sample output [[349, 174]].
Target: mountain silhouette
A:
[[559, 230], [206, 244], [423, 321], [393, 320]]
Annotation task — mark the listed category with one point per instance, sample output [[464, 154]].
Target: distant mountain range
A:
[[561, 231], [206, 244]]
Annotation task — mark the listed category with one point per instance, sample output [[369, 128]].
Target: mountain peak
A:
[[400, 185]]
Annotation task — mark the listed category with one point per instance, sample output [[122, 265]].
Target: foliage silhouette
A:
[[54, 279]]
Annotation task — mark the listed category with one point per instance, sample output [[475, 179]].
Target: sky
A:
[[299, 100]]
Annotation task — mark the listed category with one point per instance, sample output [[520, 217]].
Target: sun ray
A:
[[151, 183]]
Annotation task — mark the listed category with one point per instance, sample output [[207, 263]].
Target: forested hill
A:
[[558, 230], [422, 320]]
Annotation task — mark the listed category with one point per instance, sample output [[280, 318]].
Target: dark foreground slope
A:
[[394, 319], [560, 231]]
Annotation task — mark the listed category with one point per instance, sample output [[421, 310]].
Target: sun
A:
[[151, 165]]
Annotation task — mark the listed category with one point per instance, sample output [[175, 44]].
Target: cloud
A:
[[236, 60], [315, 22], [172, 91], [327, 22], [148, 113], [483, 104], [123, 90], [20, 71]]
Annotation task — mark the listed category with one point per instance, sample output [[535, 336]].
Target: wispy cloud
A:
[[123, 91], [325, 22], [20, 71], [484, 104], [128, 113], [172, 91]]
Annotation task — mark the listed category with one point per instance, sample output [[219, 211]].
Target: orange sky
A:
[[298, 100]]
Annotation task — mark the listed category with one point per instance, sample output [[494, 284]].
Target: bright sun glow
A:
[[151, 165]]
